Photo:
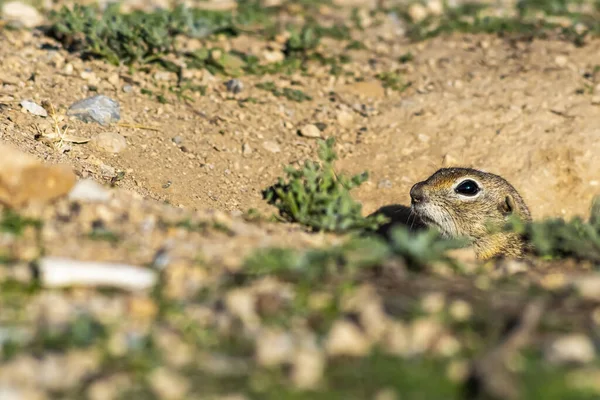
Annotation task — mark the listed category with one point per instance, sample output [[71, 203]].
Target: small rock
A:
[[60, 372], [271, 146], [561, 60], [310, 131], [449, 160], [178, 140], [596, 100], [24, 179], [234, 86], [433, 303], [241, 303], [274, 348], [424, 333], [460, 310], [21, 15], [127, 88], [163, 76], [100, 109], [588, 286], [417, 12], [345, 118], [273, 56], [246, 149], [396, 339], [345, 338], [447, 345], [308, 368], [572, 348], [107, 388], [34, 108], [168, 385], [111, 142], [88, 190], [435, 7]]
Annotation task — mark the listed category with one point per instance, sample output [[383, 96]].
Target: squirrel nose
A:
[[416, 193]]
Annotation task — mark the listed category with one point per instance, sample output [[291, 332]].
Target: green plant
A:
[[319, 264], [393, 80], [142, 37], [422, 248], [316, 197], [14, 223], [556, 238]]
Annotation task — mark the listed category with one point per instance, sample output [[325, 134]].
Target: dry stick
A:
[[136, 126]]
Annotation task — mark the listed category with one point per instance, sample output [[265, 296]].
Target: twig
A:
[[136, 126]]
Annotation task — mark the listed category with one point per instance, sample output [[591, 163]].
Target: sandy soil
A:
[[524, 110]]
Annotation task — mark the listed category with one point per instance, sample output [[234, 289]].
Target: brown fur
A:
[[437, 204]]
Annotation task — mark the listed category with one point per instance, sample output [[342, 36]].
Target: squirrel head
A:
[[464, 202]]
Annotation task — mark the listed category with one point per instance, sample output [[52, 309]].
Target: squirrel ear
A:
[[508, 206]]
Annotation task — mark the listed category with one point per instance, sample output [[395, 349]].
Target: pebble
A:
[[588, 286], [110, 142], [127, 88], [417, 12], [572, 348], [345, 118], [241, 303], [308, 368], [100, 109], [23, 179], [396, 339], [21, 15], [34, 108], [460, 310], [424, 332], [168, 385], [561, 60], [596, 100], [88, 190], [273, 56], [177, 140], [274, 347], [310, 131], [435, 7], [234, 86], [271, 146], [345, 338], [246, 149]]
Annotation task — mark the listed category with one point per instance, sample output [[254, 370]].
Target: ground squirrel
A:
[[466, 202]]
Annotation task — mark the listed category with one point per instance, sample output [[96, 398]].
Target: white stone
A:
[[572, 348], [88, 190], [21, 15]]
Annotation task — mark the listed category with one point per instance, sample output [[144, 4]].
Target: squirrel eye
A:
[[467, 188]]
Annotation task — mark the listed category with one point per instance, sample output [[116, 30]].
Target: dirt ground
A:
[[524, 110], [240, 305]]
